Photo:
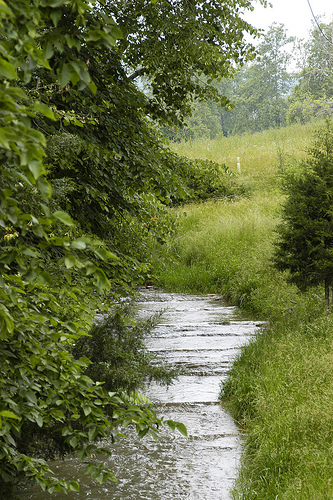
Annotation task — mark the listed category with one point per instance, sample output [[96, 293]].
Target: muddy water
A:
[[202, 335]]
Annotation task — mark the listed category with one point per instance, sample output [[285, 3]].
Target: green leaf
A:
[[143, 432], [70, 261], [7, 70], [86, 410], [116, 32], [8, 320], [31, 396], [79, 244], [44, 187], [73, 441], [9, 414], [63, 217], [36, 168], [5, 9], [44, 278], [73, 486], [55, 15], [39, 420], [93, 433], [57, 414], [6, 476], [92, 87], [30, 252], [48, 50], [38, 231], [181, 428], [171, 424], [34, 360], [90, 268], [101, 280], [100, 478], [64, 75], [104, 254], [154, 434], [43, 109]]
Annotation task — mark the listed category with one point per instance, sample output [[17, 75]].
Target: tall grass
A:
[[223, 247], [226, 247], [280, 387], [259, 153]]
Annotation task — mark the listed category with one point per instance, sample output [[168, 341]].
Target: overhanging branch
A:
[[137, 73]]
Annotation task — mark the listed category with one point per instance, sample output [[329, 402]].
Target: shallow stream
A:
[[201, 334]]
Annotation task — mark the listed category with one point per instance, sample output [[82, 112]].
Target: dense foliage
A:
[[84, 181], [181, 47], [53, 270], [207, 179], [116, 348]]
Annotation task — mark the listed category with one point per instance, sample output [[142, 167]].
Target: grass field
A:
[[259, 154], [280, 387]]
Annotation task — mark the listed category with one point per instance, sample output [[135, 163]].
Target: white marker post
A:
[[238, 165]]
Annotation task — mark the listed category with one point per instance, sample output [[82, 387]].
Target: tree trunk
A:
[[327, 293]]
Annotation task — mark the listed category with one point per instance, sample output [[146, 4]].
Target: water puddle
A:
[[202, 335]]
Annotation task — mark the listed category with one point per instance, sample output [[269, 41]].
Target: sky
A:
[[294, 14]]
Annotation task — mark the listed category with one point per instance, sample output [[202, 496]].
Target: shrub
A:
[[119, 358], [205, 179]]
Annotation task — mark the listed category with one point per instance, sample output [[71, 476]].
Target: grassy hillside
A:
[[225, 246], [259, 154], [279, 388]]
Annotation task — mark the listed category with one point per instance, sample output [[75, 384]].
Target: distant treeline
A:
[[267, 93]]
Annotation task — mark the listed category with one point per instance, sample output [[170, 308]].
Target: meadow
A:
[[280, 387]]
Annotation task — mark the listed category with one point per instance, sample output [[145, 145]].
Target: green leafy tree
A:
[[317, 76], [203, 122], [44, 393], [257, 93], [262, 89], [181, 47], [313, 95], [107, 153], [305, 236], [79, 155]]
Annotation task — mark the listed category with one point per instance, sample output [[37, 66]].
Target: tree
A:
[[305, 237], [105, 149], [44, 393], [181, 47], [263, 86], [257, 93], [313, 95], [317, 76], [79, 156]]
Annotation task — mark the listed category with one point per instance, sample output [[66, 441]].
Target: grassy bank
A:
[[280, 388]]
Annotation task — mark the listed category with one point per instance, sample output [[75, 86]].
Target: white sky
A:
[[294, 14]]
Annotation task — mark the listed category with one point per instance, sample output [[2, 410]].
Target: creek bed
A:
[[201, 334]]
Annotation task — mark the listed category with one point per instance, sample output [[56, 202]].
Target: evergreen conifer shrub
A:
[[305, 236]]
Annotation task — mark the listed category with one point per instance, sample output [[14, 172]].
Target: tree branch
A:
[[137, 73]]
